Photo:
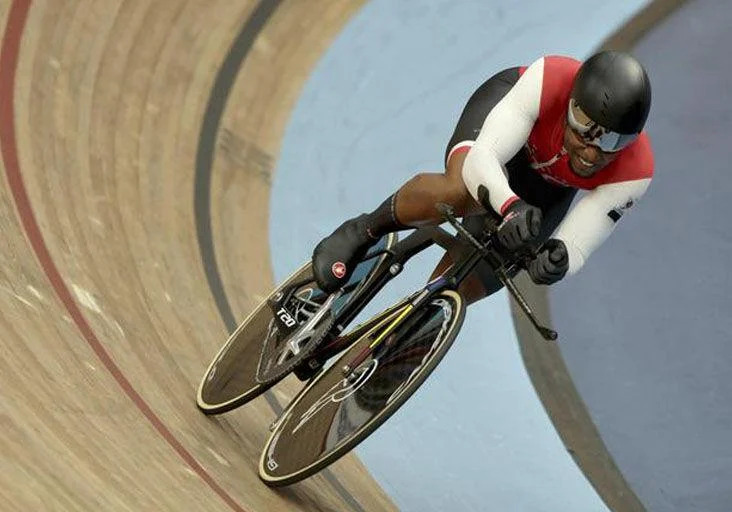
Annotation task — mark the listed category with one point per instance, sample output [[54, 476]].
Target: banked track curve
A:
[[106, 314]]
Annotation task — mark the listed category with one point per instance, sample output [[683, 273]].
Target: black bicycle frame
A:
[[419, 240]]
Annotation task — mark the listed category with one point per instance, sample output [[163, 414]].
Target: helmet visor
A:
[[594, 134]]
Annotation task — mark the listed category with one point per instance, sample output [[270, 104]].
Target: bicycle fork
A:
[[420, 298]]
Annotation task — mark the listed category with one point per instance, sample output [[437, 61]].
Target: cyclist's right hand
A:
[[521, 224], [337, 255]]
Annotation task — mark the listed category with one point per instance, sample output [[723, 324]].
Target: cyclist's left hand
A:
[[551, 263]]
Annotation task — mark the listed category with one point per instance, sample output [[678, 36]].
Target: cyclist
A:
[[531, 137]]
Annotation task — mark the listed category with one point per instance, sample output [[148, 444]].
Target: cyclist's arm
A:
[[504, 132], [594, 217]]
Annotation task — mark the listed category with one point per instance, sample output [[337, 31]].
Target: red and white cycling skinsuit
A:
[[533, 115]]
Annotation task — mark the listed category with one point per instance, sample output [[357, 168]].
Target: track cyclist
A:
[[532, 137]]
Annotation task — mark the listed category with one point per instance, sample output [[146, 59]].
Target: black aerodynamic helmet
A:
[[612, 89]]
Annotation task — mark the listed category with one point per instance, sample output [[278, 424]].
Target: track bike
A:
[[354, 380]]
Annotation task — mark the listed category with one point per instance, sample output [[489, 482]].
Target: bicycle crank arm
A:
[[294, 345]]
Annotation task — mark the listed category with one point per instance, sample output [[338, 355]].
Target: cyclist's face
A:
[[584, 159]]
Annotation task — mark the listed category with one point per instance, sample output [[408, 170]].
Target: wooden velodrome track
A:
[[138, 139], [132, 240]]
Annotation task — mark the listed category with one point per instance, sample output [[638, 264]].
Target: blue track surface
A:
[[647, 324]]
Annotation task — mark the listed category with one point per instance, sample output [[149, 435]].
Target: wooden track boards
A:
[[101, 360]]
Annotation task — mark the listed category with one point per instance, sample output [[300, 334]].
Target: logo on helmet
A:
[[338, 269]]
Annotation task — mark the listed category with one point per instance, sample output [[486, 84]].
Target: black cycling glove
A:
[[521, 224], [551, 263]]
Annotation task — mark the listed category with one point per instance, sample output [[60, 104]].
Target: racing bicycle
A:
[[354, 380]]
